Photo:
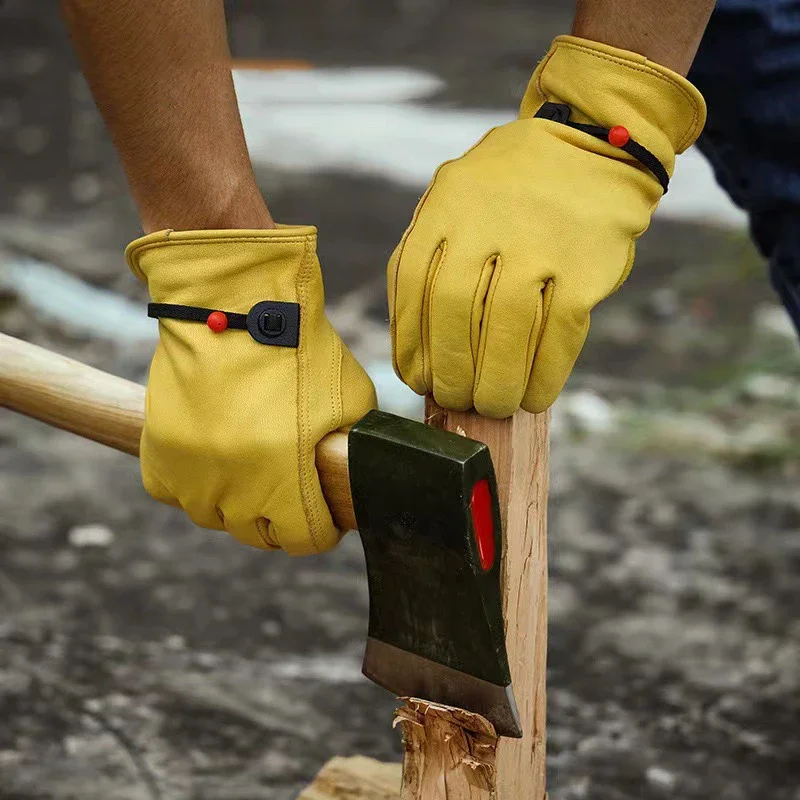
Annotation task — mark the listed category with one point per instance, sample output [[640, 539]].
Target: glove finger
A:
[[256, 533], [357, 390], [458, 292], [411, 269], [305, 530], [293, 518], [512, 318], [196, 508], [156, 488], [159, 489], [566, 324], [294, 515]]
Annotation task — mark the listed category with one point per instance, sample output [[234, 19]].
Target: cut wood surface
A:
[[356, 778], [447, 754]]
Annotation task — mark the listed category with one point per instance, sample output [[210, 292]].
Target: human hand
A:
[[233, 416], [514, 243]]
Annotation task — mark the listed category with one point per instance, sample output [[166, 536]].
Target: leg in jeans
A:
[[748, 68]]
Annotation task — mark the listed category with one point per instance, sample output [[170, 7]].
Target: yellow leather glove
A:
[[231, 423], [515, 242]]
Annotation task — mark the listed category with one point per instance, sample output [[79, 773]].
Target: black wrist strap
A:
[[268, 322], [195, 314], [617, 136]]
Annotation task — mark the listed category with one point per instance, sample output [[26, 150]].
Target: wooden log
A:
[[450, 755], [356, 778]]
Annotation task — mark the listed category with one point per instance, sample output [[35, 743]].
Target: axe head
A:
[[427, 511]]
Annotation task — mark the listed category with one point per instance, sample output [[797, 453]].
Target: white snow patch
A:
[[763, 386], [402, 143], [773, 320], [695, 196], [90, 536], [660, 777], [85, 308], [328, 669], [334, 85], [393, 395], [362, 121], [587, 411]]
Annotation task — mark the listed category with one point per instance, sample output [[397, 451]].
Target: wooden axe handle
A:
[[110, 410]]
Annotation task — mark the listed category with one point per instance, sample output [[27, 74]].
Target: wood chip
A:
[[356, 778]]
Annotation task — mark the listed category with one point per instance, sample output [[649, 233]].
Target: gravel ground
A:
[[143, 658]]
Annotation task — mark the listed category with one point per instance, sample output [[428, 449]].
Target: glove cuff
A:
[[606, 86], [215, 269]]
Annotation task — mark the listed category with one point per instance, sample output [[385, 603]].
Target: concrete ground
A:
[[142, 658]]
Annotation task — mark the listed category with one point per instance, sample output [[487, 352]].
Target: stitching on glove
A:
[[427, 313], [144, 458], [134, 255], [400, 251], [547, 301], [336, 385], [303, 427], [539, 70], [487, 309], [218, 239], [475, 347], [410, 230], [305, 450], [391, 286], [407, 235], [689, 135], [537, 327]]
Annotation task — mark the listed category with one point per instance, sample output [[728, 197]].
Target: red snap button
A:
[[618, 136], [217, 321]]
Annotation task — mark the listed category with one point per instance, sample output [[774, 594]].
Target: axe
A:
[[424, 501]]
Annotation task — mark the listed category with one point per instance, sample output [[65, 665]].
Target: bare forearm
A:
[[160, 74], [666, 31]]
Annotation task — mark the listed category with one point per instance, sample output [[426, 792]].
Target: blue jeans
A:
[[748, 69]]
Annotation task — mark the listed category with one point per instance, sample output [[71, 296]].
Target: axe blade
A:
[[426, 505]]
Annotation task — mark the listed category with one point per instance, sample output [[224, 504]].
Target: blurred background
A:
[[142, 658]]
